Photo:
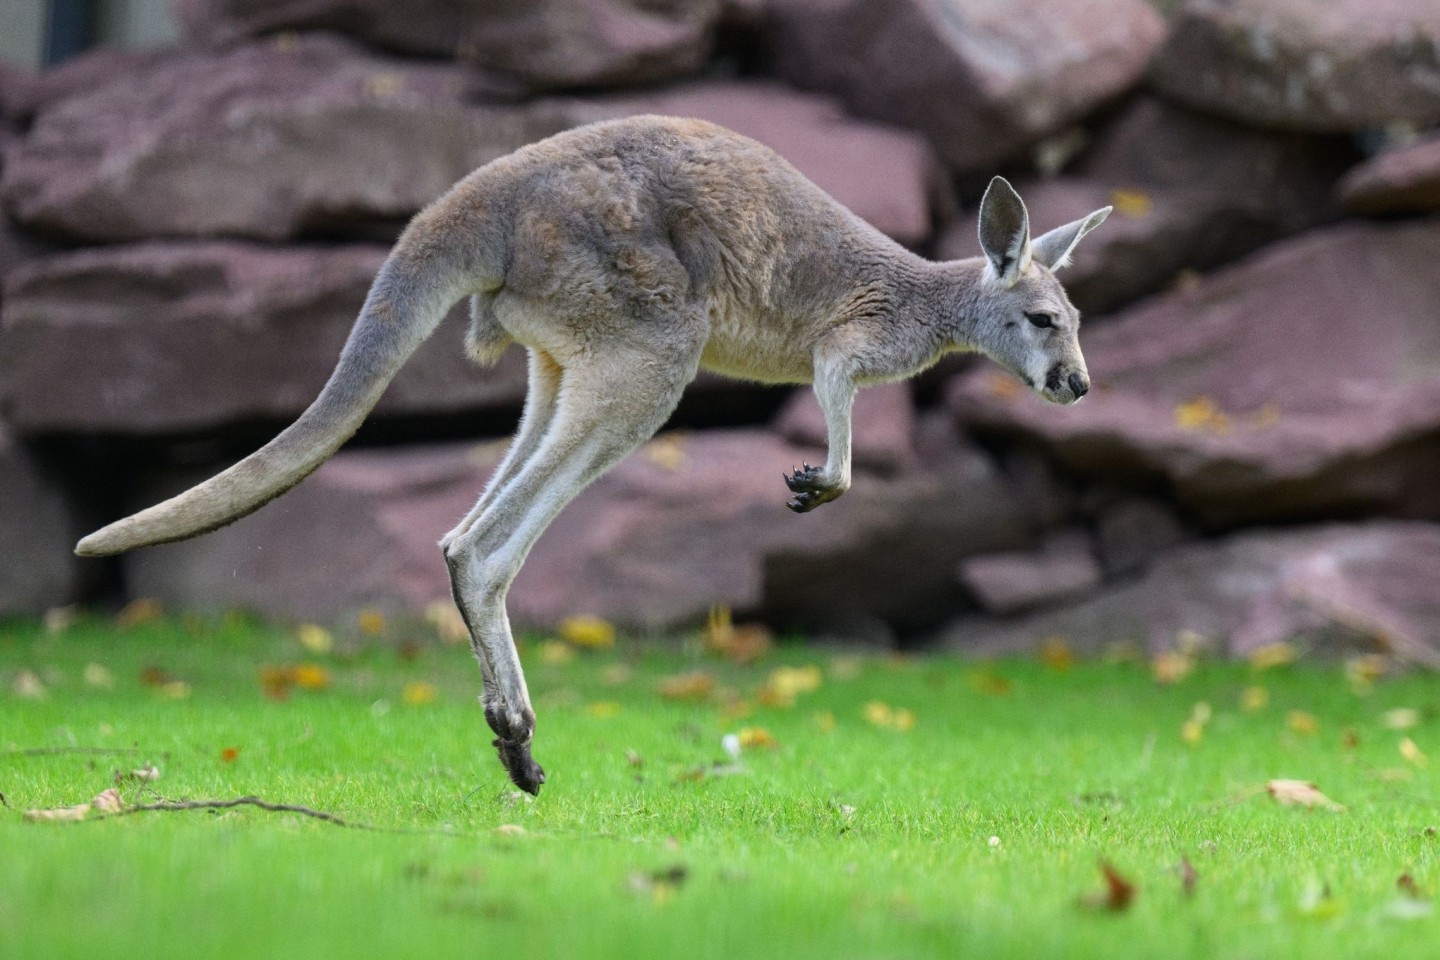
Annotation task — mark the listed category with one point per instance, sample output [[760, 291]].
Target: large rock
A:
[[312, 137], [1362, 587], [1190, 192], [983, 79], [169, 337], [882, 425], [37, 569], [266, 141], [1404, 179], [1335, 66], [1302, 381], [686, 522], [547, 44]]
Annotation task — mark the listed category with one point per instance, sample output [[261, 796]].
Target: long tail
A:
[[410, 296]]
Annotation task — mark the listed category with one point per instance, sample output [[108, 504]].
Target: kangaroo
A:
[[624, 256]]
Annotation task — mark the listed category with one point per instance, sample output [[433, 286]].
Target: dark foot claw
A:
[[805, 480], [524, 772], [810, 489]]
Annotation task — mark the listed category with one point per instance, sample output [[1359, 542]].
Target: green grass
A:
[[853, 842]]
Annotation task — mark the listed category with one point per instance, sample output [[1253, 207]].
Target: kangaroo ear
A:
[[1005, 231], [1053, 249]]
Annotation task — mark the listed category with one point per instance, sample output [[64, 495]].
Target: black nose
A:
[[1079, 385]]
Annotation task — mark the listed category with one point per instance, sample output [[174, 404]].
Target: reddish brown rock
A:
[[169, 337], [1341, 588], [548, 44], [1303, 381], [882, 425], [1063, 568], [312, 137], [37, 569], [1131, 532], [982, 80], [1336, 66], [272, 140], [1403, 179], [684, 523], [1190, 192]]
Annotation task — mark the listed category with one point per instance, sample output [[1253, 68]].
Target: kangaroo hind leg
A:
[[608, 406]]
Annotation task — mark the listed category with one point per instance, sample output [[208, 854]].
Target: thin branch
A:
[[170, 805]]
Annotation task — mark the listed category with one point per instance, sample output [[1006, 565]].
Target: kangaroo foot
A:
[[513, 746], [810, 488]]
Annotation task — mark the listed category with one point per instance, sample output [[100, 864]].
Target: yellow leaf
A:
[[603, 709], [878, 712], [371, 622], [1306, 724], [418, 693], [1191, 731], [1131, 204], [510, 830], [590, 632], [59, 619], [846, 667], [1171, 667], [1401, 718], [692, 685], [824, 721], [1300, 793], [1056, 654], [315, 639], [787, 683], [989, 682], [1272, 655], [174, 690], [311, 676], [1412, 753], [97, 675], [59, 814], [743, 644], [904, 719], [1254, 698], [757, 737], [556, 653]]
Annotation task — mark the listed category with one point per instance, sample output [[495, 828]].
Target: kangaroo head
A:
[[1025, 321]]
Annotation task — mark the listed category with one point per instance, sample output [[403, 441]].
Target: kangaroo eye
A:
[[1042, 320]]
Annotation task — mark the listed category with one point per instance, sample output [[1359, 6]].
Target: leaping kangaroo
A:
[[625, 256]]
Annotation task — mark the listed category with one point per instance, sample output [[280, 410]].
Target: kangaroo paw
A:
[[524, 772], [810, 488]]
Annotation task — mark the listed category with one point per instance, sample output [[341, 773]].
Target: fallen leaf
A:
[[1254, 698], [174, 690], [153, 676], [1273, 655], [660, 885], [878, 713], [1401, 718], [592, 633], [1265, 417], [1300, 793], [1056, 654], [691, 685], [1171, 667], [603, 709], [96, 675], [1406, 884], [989, 683], [1188, 876], [311, 676], [315, 639], [617, 674], [1317, 903], [275, 682], [108, 801], [824, 721], [146, 774], [846, 667], [136, 612], [60, 619], [744, 644], [419, 693], [510, 830], [1349, 739], [757, 737], [27, 685], [1193, 729], [556, 653], [1119, 893], [230, 754], [786, 684], [1364, 670], [1305, 724], [371, 622], [1412, 753]]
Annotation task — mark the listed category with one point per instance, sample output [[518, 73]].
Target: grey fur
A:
[[625, 256]]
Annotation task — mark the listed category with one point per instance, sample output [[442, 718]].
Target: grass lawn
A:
[[977, 831]]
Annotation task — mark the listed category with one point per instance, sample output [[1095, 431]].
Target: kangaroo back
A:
[[414, 289]]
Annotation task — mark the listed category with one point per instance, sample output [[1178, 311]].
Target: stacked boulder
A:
[[188, 234]]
